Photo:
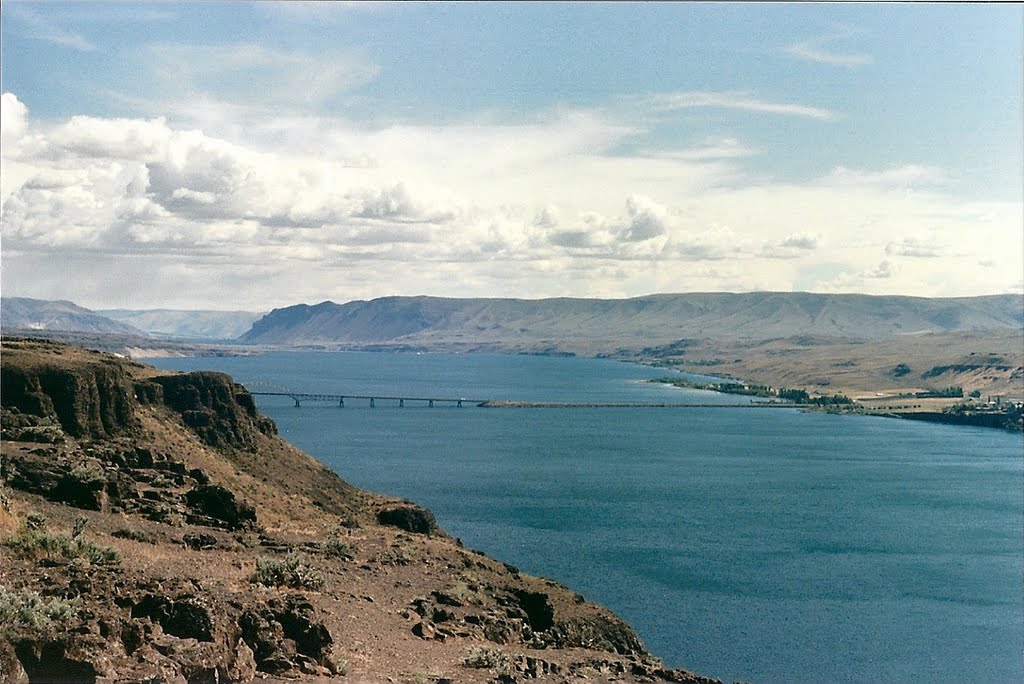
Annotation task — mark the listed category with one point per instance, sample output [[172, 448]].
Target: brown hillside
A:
[[154, 527]]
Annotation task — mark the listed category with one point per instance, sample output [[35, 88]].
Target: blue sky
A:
[[284, 152]]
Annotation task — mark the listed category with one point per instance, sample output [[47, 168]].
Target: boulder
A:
[[218, 503], [408, 517]]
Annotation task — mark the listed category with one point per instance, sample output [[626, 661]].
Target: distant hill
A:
[[43, 314], [600, 325], [181, 324]]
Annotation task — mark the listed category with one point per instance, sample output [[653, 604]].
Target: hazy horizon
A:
[[248, 156]]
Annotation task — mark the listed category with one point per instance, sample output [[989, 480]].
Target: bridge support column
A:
[[296, 403], [459, 404], [341, 402], [401, 403], [371, 402], [430, 403]]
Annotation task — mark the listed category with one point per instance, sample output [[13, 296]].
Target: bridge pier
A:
[[401, 403], [371, 402], [341, 402], [297, 405], [430, 403], [459, 404]]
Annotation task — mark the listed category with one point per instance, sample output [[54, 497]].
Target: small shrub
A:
[[89, 476], [344, 526], [35, 521], [38, 543], [291, 571], [486, 658], [79, 528], [341, 667], [132, 534], [26, 611], [465, 593], [336, 548]]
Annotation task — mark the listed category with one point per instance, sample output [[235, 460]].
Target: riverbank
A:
[[952, 410]]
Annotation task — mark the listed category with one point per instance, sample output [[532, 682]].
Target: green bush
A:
[[132, 534], [36, 542], [291, 571], [27, 612], [486, 658], [336, 548]]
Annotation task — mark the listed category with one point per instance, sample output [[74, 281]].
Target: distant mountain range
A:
[[582, 326], [187, 325], [43, 314], [603, 325]]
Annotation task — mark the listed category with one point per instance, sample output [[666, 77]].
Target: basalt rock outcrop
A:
[[153, 527]]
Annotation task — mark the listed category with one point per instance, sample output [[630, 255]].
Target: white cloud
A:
[[709, 150], [41, 28], [473, 208], [804, 241], [816, 50], [915, 247], [206, 80], [886, 269], [13, 119], [907, 175], [667, 102], [646, 220]]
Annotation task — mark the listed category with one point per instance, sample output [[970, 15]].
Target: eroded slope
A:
[[155, 526]]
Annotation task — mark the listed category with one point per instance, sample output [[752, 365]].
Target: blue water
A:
[[765, 545]]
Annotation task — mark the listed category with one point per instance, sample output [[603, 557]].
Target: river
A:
[[769, 546]]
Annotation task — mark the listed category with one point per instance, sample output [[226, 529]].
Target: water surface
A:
[[765, 545]]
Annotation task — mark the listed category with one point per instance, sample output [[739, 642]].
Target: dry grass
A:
[[855, 368]]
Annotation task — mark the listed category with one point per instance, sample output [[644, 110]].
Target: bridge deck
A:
[[340, 398], [298, 397]]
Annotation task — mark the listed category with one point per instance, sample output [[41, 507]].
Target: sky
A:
[[252, 155]]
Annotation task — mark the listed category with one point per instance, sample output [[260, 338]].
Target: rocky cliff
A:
[[154, 527]]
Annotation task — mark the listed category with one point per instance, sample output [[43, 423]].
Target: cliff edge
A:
[[154, 527]]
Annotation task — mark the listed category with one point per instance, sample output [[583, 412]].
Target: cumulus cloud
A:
[[130, 139], [805, 241], [537, 209], [646, 220], [914, 247], [885, 269], [13, 114], [793, 246]]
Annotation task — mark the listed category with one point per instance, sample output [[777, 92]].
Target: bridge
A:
[[299, 397]]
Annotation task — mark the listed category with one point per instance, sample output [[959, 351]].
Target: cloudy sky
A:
[[223, 155]]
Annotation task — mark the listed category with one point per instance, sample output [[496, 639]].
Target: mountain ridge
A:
[[61, 314], [198, 324], [596, 325]]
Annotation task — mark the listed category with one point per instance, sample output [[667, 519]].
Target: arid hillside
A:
[[990, 363], [596, 326], [153, 527]]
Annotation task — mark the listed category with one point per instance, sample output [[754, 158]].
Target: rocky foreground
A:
[[154, 528]]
